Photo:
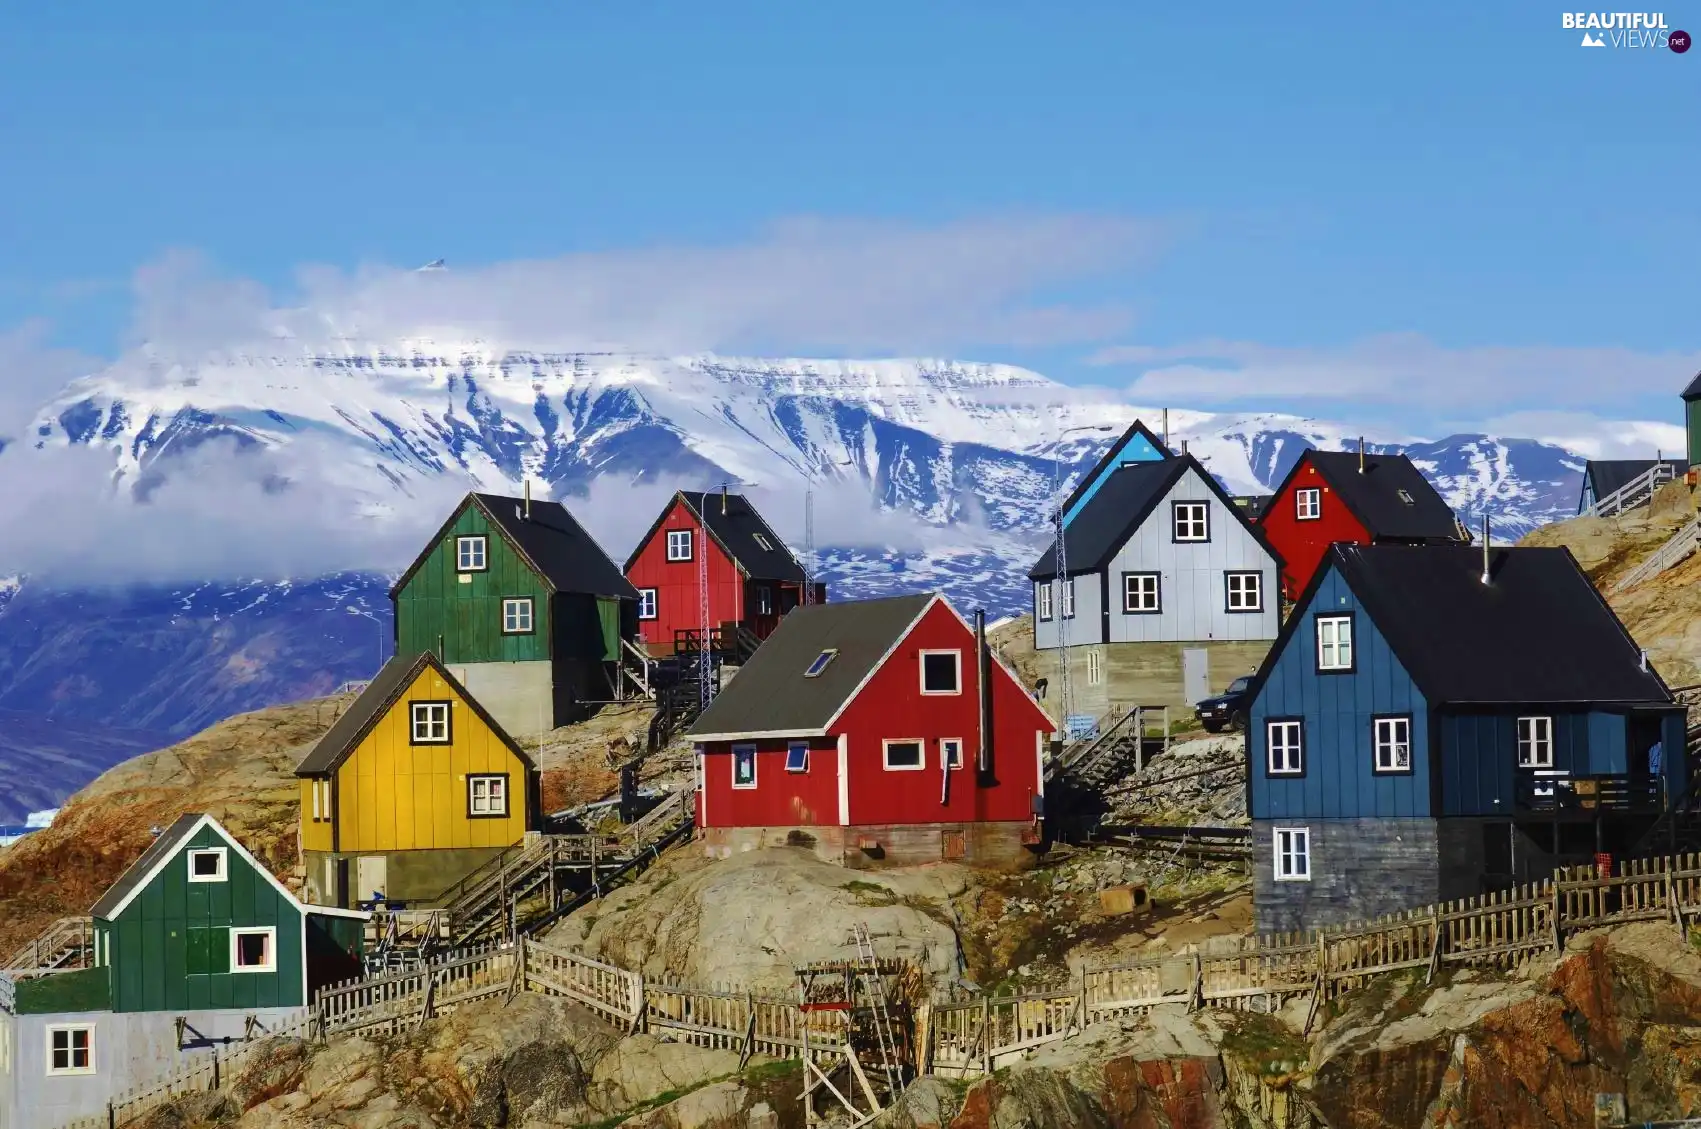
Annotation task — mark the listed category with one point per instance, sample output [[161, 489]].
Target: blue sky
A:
[[1432, 217]]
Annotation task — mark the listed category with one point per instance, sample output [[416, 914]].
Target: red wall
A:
[[891, 705], [678, 594], [1303, 543]]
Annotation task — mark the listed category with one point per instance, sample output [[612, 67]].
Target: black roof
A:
[[1136, 428], [741, 533], [1537, 633], [1374, 497], [167, 842], [1125, 500], [556, 546], [770, 694], [1606, 476], [1253, 505], [1693, 392], [379, 697]]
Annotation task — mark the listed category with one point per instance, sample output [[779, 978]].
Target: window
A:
[[1535, 742], [1334, 642], [744, 766], [1042, 596], [207, 864], [70, 1049], [470, 554], [1140, 593], [820, 663], [1308, 504], [1192, 521], [797, 756], [254, 950], [1293, 853], [322, 800], [1095, 667], [951, 752], [942, 672], [1393, 744], [646, 603], [430, 723], [487, 796], [1285, 741], [679, 544], [902, 756], [1245, 591], [761, 542], [1405, 497], [1069, 598], [764, 600], [517, 616]]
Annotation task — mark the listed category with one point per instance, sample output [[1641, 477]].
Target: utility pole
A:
[[705, 648], [808, 544]]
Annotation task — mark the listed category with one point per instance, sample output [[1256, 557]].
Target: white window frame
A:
[[1308, 494], [647, 599], [1535, 742], [417, 710], [489, 811], [737, 751], [1292, 761], [761, 542], [90, 1067], [1068, 601], [1042, 608], [1406, 497], [1095, 667], [680, 543], [1197, 520], [1339, 645], [1137, 606], [270, 932], [1257, 588], [793, 747], [222, 874], [957, 658], [1289, 845], [1389, 736], [951, 752], [886, 754], [322, 799], [469, 546], [516, 604]]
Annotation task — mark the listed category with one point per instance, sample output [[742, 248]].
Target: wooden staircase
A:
[[1121, 745], [65, 945], [1637, 492], [1676, 549]]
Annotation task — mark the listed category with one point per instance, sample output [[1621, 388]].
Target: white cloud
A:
[[1593, 437], [31, 373]]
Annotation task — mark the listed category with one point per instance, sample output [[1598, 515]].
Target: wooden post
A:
[[985, 1035], [1196, 994], [1434, 947], [808, 1078], [1558, 933]]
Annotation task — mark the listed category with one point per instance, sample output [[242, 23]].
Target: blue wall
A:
[[1135, 448], [1337, 709]]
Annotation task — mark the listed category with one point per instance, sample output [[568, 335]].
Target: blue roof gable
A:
[[1137, 445]]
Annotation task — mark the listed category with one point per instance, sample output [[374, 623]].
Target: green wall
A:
[[169, 949], [1692, 418], [468, 616]]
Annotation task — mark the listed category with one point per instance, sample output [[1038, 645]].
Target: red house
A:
[[876, 732], [1332, 496], [753, 579]]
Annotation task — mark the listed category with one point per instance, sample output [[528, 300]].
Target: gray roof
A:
[[770, 694], [167, 842]]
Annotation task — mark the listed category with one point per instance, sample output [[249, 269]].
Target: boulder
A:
[[644, 1067]]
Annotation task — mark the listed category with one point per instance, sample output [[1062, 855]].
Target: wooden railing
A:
[[1677, 548], [1633, 493], [8, 995], [66, 944], [1619, 792]]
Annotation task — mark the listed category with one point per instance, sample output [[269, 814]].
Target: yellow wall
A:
[[315, 835], [393, 796]]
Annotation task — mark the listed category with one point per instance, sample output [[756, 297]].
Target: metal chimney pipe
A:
[[983, 758], [723, 499], [1485, 540], [528, 489], [1361, 454], [1166, 431], [1644, 660]]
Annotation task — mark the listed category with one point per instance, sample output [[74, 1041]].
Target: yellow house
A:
[[412, 789]]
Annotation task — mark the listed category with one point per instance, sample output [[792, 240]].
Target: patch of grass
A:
[[1264, 1043], [759, 1075], [777, 1071], [870, 893]]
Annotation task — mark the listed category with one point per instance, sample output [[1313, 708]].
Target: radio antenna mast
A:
[[808, 544], [705, 638]]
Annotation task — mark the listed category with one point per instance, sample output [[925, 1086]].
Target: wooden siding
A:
[[468, 617], [149, 941], [780, 798], [1087, 626], [1337, 709], [316, 834], [1194, 594], [1303, 543], [1360, 869], [1135, 448], [679, 604], [395, 796], [1692, 421]]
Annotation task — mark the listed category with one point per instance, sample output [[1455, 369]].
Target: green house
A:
[[524, 608], [197, 923], [1692, 419]]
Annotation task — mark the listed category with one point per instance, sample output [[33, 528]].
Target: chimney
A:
[[1184, 447], [1361, 454], [983, 759], [1485, 539], [528, 510], [1166, 431], [723, 499], [1644, 660]]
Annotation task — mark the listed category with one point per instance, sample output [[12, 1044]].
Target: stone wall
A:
[[997, 846], [410, 876], [1146, 674], [1360, 868]]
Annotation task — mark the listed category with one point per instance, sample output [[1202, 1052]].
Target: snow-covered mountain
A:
[[927, 474]]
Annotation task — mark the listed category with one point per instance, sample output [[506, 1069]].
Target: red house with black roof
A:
[[752, 578], [876, 732], [1332, 496]]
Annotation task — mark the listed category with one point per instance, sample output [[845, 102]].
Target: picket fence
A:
[[963, 1039]]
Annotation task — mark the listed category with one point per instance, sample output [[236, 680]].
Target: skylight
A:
[[820, 663], [1405, 497], [763, 542]]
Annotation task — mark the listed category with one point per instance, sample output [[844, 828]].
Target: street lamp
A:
[[376, 622]]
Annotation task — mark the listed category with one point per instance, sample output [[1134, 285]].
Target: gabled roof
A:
[[1135, 429], [1606, 476], [550, 541], [1374, 496], [163, 849], [380, 696], [739, 530], [1127, 499], [1537, 633], [1693, 392]]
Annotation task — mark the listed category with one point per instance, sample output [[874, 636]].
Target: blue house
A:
[[1438, 721]]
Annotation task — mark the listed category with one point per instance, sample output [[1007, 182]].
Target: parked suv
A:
[[1228, 709]]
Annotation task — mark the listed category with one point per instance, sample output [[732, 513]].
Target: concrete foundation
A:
[[416, 877], [1147, 674], [993, 846], [129, 1049], [519, 695]]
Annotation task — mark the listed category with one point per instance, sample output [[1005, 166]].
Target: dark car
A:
[[1227, 710]]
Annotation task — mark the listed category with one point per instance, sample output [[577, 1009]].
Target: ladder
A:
[[874, 986]]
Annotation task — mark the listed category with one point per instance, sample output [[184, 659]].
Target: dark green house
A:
[[523, 607]]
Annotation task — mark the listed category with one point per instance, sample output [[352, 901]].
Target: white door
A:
[[1196, 674], [369, 877]]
